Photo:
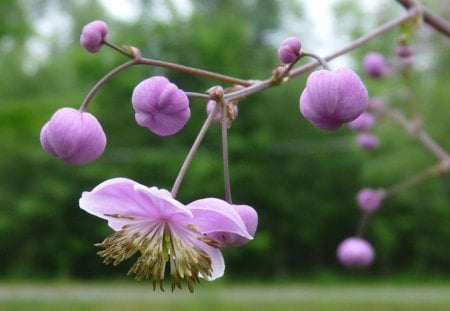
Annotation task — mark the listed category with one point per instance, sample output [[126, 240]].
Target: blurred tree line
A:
[[302, 180]]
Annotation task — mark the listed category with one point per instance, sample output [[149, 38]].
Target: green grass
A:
[[124, 297]]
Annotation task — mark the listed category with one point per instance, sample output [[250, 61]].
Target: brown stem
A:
[[430, 18]]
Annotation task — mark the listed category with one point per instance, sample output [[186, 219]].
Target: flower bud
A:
[[355, 252], [250, 219], [331, 99], [376, 103], [160, 106], [404, 51], [367, 141], [375, 65], [289, 50], [93, 35], [363, 123], [74, 136], [369, 200], [232, 112]]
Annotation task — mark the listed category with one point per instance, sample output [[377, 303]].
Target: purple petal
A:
[[126, 197], [214, 215], [353, 96]]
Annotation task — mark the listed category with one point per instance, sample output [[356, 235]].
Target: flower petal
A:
[[122, 200], [214, 215]]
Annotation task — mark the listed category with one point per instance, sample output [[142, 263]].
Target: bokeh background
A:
[[301, 180]]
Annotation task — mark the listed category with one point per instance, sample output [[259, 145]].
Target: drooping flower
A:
[[368, 141], [369, 200], [363, 123], [160, 106], [355, 252], [231, 110], [289, 50], [374, 65], [74, 136], [149, 221], [93, 35], [331, 99]]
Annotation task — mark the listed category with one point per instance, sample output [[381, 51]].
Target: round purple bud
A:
[[73, 136], [332, 98], [93, 35], [233, 112], [289, 50], [160, 106], [404, 51], [250, 219], [355, 252], [363, 123], [375, 65], [368, 141], [369, 200]]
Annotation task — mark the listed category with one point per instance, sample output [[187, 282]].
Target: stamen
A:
[[158, 244]]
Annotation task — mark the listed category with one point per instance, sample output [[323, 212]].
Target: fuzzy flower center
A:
[[159, 242]]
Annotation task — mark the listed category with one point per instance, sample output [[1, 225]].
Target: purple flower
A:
[[160, 105], [74, 136], [333, 98], [367, 141], [289, 50], [363, 123], [369, 200], [250, 219], [93, 35], [374, 65], [149, 221], [355, 252], [232, 112]]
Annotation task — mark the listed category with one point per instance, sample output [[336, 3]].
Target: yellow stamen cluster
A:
[[158, 245]]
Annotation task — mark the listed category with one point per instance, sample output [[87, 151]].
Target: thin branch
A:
[[192, 152], [430, 18]]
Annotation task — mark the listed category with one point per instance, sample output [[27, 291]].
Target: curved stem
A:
[[358, 42], [192, 151], [322, 61], [195, 71], [261, 85], [102, 81], [226, 169], [198, 95]]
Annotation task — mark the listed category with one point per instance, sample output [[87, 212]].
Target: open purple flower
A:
[[93, 35], [160, 105], [74, 136], [151, 222], [331, 99], [355, 252]]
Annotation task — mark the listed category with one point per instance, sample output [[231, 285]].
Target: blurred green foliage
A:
[[301, 180]]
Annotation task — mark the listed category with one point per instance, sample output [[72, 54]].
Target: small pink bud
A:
[[289, 50], [367, 141], [332, 98], [375, 65], [232, 112], [74, 136], [355, 252], [369, 200], [363, 123], [93, 35], [160, 106]]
